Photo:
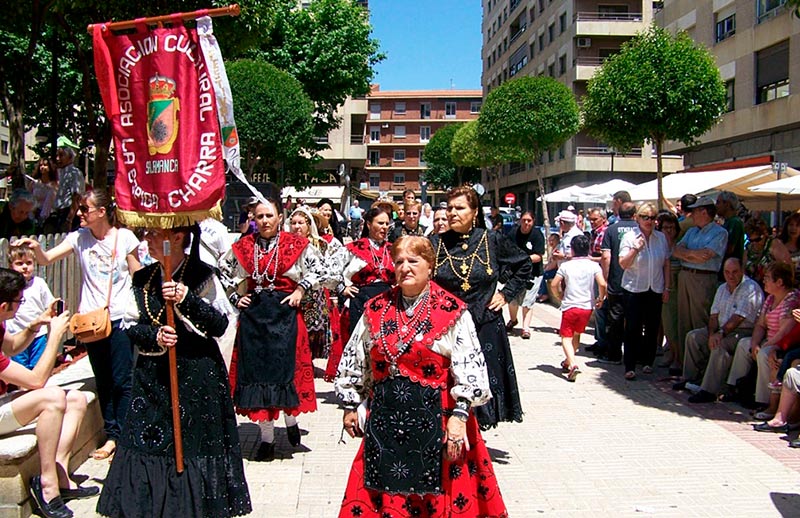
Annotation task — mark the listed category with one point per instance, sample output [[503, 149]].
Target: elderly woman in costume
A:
[[414, 369], [272, 370], [469, 262], [142, 480], [319, 312], [369, 271]]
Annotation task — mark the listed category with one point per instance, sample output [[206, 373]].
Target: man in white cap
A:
[[566, 223]]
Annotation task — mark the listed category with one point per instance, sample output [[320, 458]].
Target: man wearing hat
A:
[[700, 252], [566, 224], [246, 223]]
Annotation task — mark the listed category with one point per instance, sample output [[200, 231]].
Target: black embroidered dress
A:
[[142, 481], [475, 282]]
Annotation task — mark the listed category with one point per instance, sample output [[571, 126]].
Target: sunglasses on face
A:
[[645, 217]]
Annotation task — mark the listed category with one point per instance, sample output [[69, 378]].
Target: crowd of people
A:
[[408, 317]]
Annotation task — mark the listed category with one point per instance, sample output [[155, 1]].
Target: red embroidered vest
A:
[[375, 259], [290, 247]]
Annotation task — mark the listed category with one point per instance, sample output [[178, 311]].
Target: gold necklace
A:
[[467, 262], [155, 319]]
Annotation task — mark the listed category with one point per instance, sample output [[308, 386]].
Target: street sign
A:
[[510, 198]]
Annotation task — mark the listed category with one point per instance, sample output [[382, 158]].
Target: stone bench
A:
[[19, 457]]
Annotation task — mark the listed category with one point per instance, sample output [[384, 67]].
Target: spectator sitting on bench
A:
[[59, 413]]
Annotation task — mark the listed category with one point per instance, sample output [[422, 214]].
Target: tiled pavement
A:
[[599, 447]]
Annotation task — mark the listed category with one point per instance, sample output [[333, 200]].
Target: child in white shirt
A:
[[580, 275]]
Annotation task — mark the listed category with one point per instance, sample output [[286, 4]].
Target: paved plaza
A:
[[599, 447]]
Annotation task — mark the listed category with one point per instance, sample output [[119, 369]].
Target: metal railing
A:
[[357, 139], [605, 151], [585, 16], [589, 61]]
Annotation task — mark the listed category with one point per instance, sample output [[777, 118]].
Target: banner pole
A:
[[173, 364], [231, 10]]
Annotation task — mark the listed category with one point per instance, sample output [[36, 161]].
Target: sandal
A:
[[565, 366], [647, 369], [105, 451], [510, 326], [526, 334], [630, 375]]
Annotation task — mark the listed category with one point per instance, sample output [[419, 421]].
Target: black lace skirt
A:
[[505, 404], [142, 481]]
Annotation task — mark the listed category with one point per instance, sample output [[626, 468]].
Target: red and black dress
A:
[[369, 268], [408, 361], [271, 370]]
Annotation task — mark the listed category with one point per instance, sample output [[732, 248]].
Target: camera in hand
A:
[[59, 307]]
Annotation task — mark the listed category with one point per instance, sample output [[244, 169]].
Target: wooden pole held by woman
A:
[[173, 365]]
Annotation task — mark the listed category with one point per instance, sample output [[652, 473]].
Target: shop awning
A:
[[599, 193], [314, 193]]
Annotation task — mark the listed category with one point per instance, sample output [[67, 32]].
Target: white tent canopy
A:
[[790, 185], [314, 193], [598, 193], [708, 182]]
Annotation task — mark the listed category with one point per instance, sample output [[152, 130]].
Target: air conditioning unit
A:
[[584, 43], [385, 125]]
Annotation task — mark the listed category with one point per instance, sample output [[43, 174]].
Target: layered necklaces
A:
[[272, 263], [155, 318], [464, 270], [378, 262], [410, 326]]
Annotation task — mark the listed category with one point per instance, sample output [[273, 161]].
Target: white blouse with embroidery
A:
[[460, 343]]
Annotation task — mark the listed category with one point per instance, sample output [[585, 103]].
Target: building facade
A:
[[757, 49], [567, 40], [382, 139]]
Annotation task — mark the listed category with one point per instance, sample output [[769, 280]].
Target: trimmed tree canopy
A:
[[526, 116], [273, 118], [658, 87], [439, 157]]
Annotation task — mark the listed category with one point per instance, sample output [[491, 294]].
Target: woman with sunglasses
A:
[[644, 255], [762, 250], [95, 243]]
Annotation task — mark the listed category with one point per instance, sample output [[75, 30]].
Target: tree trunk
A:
[[496, 186], [459, 180], [16, 145], [659, 174], [545, 214]]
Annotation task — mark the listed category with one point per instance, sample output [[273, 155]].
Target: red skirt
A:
[[470, 489], [341, 336], [303, 381]]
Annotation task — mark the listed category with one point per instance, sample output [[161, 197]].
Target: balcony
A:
[[357, 139], [585, 67], [589, 23]]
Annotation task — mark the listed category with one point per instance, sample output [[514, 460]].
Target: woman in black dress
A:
[[469, 262], [142, 480]]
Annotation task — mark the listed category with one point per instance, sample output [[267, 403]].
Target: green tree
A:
[[442, 171], [523, 118], [274, 120], [469, 154], [328, 48], [659, 87]]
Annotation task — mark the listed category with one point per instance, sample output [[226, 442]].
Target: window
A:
[[532, 49], [725, 28], [399, 155], [772, 72], [450, 110], [562, 23], [768, 8], [374, 111], [399, 178], [400, 132], [475, 106], [374, 134], [551, 70], [562, 65], [562, 151], [541, 6], [541, 42], [422, 158], [551, 32], [729, 96], [424, 110], [374, 181], [400, 108], [374, 157], [3, 147], [424, 133]]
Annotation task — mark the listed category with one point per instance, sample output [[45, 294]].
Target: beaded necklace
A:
[[155, 319], [411, 322], [378, 262], [467, 262], [272, 261]]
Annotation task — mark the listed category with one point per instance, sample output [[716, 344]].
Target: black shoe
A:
[[675, 371], [609, 360], [55, 508], [293, 433], [78, 493], [681, 385], [594, 347], [266, 452], [702, 397]]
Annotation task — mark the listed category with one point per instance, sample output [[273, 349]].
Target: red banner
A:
[[160, 100]]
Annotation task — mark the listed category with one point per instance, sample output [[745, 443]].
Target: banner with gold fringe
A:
[[160, 100]]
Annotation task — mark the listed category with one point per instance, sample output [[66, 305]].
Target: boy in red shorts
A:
[[580, 274]]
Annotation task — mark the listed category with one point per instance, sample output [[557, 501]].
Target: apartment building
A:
[[382, 138], [567, 40], [757, 49]]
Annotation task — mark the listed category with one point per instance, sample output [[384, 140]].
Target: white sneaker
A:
[[691, 387]]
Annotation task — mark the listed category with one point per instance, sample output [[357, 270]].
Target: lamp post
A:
[[778, 168]]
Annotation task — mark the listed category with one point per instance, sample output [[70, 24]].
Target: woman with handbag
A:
[[108, 257]]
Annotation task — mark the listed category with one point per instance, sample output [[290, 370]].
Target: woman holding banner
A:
[[271, 368], [106, 255], [143, 480]]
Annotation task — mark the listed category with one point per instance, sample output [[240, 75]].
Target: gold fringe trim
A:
[[167, 220]]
